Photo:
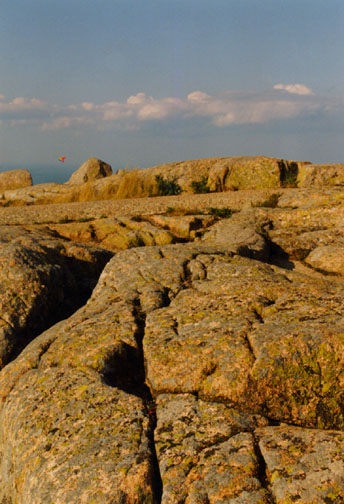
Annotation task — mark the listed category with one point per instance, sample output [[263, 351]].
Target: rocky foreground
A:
[[204, 366]]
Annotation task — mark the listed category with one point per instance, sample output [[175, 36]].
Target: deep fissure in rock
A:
[[84, 276], [140, 317], [126, 371], [262, 470]]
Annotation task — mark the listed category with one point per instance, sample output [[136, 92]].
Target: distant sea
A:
[[42, 174]]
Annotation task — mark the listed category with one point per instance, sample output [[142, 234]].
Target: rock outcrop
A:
[[89, 171], [42, 279], [15, 179], [202, 372], [220, 174]]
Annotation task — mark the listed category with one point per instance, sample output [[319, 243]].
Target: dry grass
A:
[[134, 185]]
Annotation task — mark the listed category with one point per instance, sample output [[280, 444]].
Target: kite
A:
[[62, 159]]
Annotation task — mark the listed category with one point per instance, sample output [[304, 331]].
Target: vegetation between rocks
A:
[[200, 186], [167, 187]]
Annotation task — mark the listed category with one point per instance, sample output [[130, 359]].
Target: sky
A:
[[139, 83]]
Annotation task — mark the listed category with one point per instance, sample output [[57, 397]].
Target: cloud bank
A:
[[298, 89], [284, 101]]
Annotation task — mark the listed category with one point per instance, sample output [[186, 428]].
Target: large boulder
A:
[[42, 278], [318, 175], [90, 170], [15, 179]]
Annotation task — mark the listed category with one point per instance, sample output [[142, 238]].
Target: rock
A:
[[204, 372], [78, 393], [240, 234], [303, 465], [256, 172], [42, 279], [303, 229], [319, 175], [206, 451], [183, 226], [39, 194], [15, 179], [88, 442], [114, 233], [90, 170], [327, 258]]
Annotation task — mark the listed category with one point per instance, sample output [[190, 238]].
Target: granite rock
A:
[[90, 170], [42, 279], [303, 465], [205, 372], [14, 179]]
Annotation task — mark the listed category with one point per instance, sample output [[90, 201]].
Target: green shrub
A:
[[200, 186], [220, 213], [167, 187], [288, 174]]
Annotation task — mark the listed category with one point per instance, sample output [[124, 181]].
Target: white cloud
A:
[[88, 105], [23, 108], [221, 110], [298, 89], [137, 99], [198, 97]]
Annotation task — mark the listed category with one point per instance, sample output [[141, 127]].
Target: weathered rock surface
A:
[[42, 279], [14, 179], [206, 372], [94, 179], [221, 174], [90, 170], [206, 451], [115, 233], [319, 175], [303, 465], [242, 234]]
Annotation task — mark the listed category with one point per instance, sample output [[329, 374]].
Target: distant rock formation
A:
[[93, 180], [15, 179], [90, 170]]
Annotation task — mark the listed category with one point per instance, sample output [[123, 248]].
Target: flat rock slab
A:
[[114, 234], [206, 452], [241, 234], [303, 465], [254, 336], [80, 441], [329, 258]]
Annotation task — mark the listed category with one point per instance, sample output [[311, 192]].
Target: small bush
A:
[[290, 179], [65, 220], [220, 213], [167, 187], [200, 186], [288, 174]]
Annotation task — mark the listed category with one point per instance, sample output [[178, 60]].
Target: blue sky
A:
[[142, 82]]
